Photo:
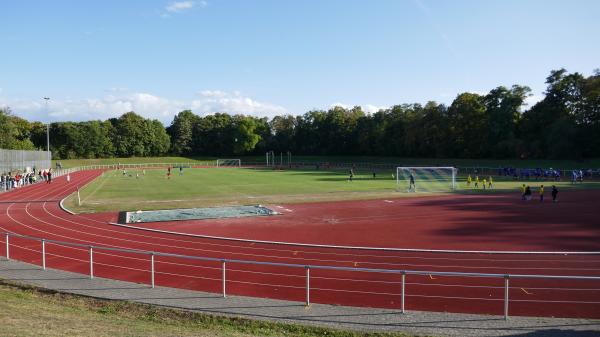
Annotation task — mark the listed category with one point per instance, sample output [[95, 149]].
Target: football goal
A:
[[229, 162], [426, 179]]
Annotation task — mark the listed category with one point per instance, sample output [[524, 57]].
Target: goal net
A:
[[425, 179], [229, 162]]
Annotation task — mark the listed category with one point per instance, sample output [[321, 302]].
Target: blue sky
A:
[[99, 59]]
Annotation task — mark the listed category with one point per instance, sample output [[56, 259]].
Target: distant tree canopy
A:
[[565, 124]]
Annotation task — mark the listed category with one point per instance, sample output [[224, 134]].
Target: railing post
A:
[[506, 277], [43, 254], [152, 269], [224, 279], [403, 291], [7, 249], [307, 286], [91, 262]]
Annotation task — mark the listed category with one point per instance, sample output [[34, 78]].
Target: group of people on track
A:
[[526, 194]]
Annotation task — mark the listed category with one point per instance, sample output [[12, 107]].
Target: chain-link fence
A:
[[21, 160]]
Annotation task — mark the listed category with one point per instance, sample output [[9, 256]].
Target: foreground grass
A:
[[29, 311], [205, 187]]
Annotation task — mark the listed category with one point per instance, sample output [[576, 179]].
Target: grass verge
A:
[[32, 311]]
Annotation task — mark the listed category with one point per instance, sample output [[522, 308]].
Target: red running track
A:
[[491, 222]]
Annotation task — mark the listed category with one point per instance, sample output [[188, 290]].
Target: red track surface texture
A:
[[498, 222]]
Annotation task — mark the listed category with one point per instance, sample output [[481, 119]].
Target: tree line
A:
[[564, 124]]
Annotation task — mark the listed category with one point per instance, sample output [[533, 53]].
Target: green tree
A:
[[503, 114], [245, 136], [283, 129], [14, 131], [181, 132], [466, 119]]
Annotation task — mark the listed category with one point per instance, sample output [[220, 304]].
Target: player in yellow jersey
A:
[[469, 179], [490, 182], [484, 183], [542, 193], [523, 188]]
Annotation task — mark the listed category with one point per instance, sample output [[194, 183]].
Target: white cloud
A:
[[117, 89], [212, 101], [180, 6], [145, 104], [368, 108], [212, 93]]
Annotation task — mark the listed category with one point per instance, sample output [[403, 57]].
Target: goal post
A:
[[229, 162], [426, 179], [270, 156]]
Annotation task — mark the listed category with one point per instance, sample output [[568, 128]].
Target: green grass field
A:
[[114, 191], [29, 311], [532, 163]]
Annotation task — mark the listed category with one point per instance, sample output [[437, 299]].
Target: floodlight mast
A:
[[48, 131]]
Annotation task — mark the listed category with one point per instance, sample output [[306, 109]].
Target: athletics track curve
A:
[[34, 211]]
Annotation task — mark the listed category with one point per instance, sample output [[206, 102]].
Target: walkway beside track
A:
[[353, 318]]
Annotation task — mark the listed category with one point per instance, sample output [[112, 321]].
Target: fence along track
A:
[[223, 280]]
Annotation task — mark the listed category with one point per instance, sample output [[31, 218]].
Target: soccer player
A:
[[169, 172], [351, 175], [523, 192], [476, 181], [554, 193], [527, 193], [484, 183], [542, 193], [490, 182], [411, 186], [469, 180], [180, 170]]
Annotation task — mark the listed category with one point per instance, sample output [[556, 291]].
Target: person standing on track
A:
[[554, 194], [523, 192], [542, 193], [49, 175], [527, 193], [411, 184]]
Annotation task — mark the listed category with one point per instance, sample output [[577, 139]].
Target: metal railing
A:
[[307, 267]]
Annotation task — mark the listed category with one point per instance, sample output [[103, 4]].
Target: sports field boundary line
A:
[[61, 203], [390, 249], [63, 207]]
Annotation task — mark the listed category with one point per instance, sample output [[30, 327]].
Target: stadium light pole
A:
[[48, 131]]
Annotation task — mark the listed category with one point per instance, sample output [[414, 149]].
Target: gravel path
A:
[[364, 319]]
